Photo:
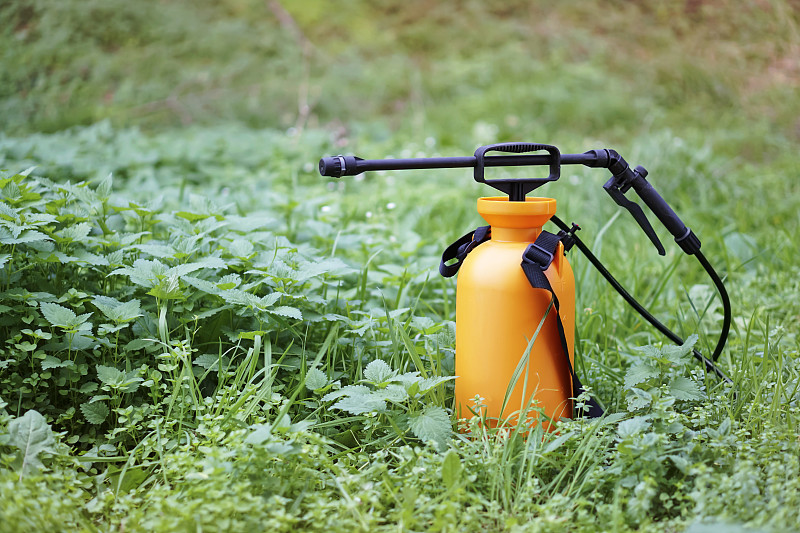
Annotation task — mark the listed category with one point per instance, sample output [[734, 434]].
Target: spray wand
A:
[[623, 180]]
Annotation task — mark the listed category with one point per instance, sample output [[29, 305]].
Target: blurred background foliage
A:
[[518, 69]]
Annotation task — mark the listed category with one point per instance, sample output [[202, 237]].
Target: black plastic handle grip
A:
[[687, 240], [659, 207], [517, 147]]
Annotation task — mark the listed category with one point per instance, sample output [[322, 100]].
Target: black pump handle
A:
[[480, 158], [516, 189]]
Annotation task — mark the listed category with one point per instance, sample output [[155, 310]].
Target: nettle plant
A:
[[659, 447], [386, 404], [108, 304]]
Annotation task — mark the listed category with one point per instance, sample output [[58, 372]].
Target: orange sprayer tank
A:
[[498, 312]]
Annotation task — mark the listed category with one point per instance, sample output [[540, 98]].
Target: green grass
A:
[[191, 330], [605, 73]]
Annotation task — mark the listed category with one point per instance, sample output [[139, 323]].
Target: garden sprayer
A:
[[515, 296]]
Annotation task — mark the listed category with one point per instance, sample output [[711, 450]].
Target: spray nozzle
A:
[[339, 165]]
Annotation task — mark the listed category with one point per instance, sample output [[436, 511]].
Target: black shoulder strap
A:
[[459, 250], [535, 261]]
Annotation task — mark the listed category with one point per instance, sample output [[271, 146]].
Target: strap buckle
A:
[[537, 255], [480, 236], [459, 250], [568, 237]]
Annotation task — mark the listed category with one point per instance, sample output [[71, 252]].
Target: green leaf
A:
[[110, 376], [317, 268], [191, 217], [57, 315], [432, 424], [88, 387], [167, 288], [60, 257], [127, 311], [451, 469], [205, 262], [81, 255], [210, 361], [316, 379], [378, 372], [95, 413], [138, 344], [422, 323], [556, 443], [103, 189], [6, 237], [6, 211], [681, 463], [285, 310], [236, 296], [80, 341], [54, 362], [115, 258], [75, 232], [638, 399], [144, 272], [230, 281], [202, 284], [241, 248], [117, 311], [161, 251], [684, 388], [358, 404], [639, 373], [269, 299], [32, 435], [350, 390], [99, 398], [12, 190], [131, 382], [628, 428], [392, 393], [428, 384], [651, 352], [408, 379], [260, 434], [446, 336], [251, 335], [679, 354], [724, 428]]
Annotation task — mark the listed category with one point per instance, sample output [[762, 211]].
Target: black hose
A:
[[726, 305]]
